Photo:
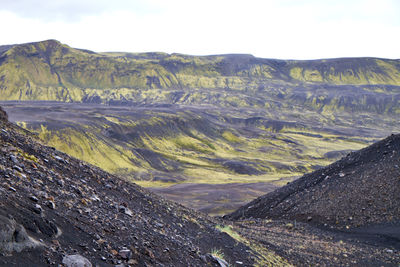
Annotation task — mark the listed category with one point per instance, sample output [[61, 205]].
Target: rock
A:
[[14, 159], [51, 204], [59, 159], [37, 209], [34, 199], [126, 211], [108, 186], [18, 168], [13, 236], [76, 261], [221, 262], [60, 183], [12, 189], [125, 253]]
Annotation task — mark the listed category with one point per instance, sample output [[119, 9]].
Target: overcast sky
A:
[[286, 29]]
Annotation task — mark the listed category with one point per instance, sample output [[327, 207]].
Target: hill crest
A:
[[361, 189]]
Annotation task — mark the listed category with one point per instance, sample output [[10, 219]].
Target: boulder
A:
[[76, 261], [13, 236]]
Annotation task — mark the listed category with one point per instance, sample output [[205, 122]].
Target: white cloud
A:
[[274, 29]]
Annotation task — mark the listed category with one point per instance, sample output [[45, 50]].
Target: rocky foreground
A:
[[58, 210]]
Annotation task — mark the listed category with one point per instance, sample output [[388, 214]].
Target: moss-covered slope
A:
[[50, 70]]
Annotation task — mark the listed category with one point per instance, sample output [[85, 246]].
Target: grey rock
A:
[[51, 204], [37, 209], [33, 198], [76, 261], [13, 236], [125, 253], [14, 159], [18, 168], [221, 262], [59, 158], [126, 211], [60, 183]]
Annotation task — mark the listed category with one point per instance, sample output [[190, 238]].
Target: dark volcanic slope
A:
[[52, 205], [362, 188]]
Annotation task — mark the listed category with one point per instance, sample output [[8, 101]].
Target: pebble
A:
[[37, 209], [18, 168], [108, 186], [12, 189], [60, 182], [51, 204], [59, 158], [125, 253], [33, 198], [14, 159]]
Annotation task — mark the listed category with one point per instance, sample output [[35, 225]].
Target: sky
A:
[[284, 29]]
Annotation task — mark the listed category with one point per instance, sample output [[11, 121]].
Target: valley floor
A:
[[208, 158]]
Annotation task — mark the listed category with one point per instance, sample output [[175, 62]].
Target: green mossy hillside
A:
[[50, 70]]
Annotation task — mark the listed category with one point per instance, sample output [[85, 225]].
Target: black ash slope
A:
[[361, 189]]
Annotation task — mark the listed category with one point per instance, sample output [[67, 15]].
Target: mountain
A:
[[50, 70], [360, 190], [54, 206]]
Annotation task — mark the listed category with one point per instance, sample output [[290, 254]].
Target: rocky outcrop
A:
[[13, 237]]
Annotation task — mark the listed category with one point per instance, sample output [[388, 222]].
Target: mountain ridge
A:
[[49, 70]]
